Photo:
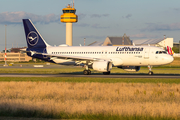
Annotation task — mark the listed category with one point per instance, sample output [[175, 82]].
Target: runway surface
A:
[[94, 75]]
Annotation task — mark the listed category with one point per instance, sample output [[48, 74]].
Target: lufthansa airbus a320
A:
[[99, 58]]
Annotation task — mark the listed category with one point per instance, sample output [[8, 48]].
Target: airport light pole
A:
[[5, 48]]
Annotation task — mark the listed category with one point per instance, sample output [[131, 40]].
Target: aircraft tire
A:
[[106, 73], [150, 73], [89, 72], [86, 72]]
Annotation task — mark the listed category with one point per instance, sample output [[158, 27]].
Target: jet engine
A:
[[102, 66], [130, 68]]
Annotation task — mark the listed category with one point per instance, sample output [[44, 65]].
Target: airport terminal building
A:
[[114, 41], [162, 43], [15, 56], [125, 40]]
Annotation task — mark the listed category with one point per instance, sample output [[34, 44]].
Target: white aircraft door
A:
[[146, 53], [146, 56]]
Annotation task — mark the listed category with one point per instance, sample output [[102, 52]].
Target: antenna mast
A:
[[73, 3]]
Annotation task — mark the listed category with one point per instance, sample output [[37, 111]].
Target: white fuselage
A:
[[119, 55]]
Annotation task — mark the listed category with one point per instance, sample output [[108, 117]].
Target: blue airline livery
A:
[[99, 58]]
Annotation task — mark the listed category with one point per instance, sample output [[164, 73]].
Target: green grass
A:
[[84, 79], [37, 114]]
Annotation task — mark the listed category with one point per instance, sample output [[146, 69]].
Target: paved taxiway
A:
[[93, 76]]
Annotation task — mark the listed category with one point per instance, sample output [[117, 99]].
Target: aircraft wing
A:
[[71, 57]]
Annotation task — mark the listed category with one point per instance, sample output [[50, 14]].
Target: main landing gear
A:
[[86, 72], [150, 70]]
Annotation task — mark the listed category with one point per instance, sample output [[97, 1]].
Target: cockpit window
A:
[[161, 52]]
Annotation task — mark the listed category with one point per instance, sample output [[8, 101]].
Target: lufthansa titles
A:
[[129, 49]]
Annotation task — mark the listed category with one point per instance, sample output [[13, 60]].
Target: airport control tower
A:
[[69, 17]]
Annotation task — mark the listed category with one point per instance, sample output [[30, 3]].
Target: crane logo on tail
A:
[[32, 38]]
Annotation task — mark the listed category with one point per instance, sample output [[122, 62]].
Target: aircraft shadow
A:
[[156, 74]]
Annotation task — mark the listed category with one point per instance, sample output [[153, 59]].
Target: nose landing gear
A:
[[150, 70]]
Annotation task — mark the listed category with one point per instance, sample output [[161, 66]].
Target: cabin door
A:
[[146, 53], [146, 56]]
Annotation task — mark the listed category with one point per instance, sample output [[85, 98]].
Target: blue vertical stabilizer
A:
[[33, 37]]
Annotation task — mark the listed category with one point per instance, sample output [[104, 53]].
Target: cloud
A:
[[177, 9], [99, 15], [127, 16], [16, 17], [162, 27], [81, 16], [97, 26]]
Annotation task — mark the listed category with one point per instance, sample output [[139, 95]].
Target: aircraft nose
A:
[[170, 59], [167, 59]]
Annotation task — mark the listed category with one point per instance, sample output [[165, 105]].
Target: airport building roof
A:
[[118, 40], [97, 43], [124, 40], [147, 41], [113, 41]]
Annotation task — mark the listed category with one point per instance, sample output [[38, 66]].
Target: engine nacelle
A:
[[102, 66], [130, 68]]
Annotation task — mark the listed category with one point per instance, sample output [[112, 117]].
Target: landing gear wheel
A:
[[150, 73], [89, 72], [106, 73], [86, 72]]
